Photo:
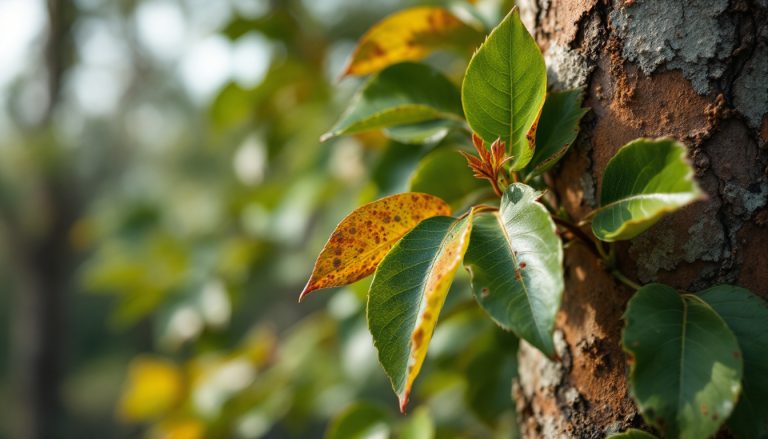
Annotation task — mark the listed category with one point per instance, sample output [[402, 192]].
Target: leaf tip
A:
[[403, 399], [327, 136], [307, 289]]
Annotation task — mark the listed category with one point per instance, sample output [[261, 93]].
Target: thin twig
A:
[[578, 233], [625, 280]]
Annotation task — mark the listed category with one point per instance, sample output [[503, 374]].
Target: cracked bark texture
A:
[[694, 70]]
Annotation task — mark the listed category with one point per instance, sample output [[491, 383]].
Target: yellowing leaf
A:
[[408, 292], [154, 387], [361, 240], [409, 35], [179, 429]]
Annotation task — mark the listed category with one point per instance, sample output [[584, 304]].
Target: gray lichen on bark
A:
[[692, 36]]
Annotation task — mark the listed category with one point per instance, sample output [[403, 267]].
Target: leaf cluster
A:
[[688, 353]]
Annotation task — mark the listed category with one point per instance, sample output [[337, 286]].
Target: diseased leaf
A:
[[504, 89], [407, 293], [685, 364], [402, 94], [515, 260], [410, 35], [359, 421], [558, 128], [747, 316], [632, 433], [361, 240], [646, 179], [445, 174]]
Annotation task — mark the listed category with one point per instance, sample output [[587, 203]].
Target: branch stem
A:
[[625, 280], [578, 233]]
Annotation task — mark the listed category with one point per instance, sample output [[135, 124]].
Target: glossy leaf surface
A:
[[558, 127], [685, 364], [504, 89], [747, 316], [409, 35], [402, 94], [445, 174], [408, 292], [361, 240], [515, 259], [646, 179]]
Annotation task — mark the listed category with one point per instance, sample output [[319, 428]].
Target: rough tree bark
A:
[[696, 71]]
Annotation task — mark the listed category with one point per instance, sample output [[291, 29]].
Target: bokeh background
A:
[[163, 195]]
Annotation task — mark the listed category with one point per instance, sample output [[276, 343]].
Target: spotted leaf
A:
[[408, 292], [410, 35], [361, 240], [516, 263]]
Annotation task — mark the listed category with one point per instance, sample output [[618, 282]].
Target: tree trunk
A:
[[696, 71]]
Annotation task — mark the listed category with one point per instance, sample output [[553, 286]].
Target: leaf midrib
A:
[[503, 228]]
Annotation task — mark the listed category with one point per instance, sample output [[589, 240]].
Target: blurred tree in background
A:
[[163, 193]]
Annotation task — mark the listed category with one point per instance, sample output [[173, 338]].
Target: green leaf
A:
[[359, 421], [515, 259], [504, 89], [407, 293], [685, 364], [445, 174], [402, 94], [558, 128], [646, 179], [429, 132], [747, 316], [632, 433]]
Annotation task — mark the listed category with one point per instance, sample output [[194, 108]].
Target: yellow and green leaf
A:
[[364, 237], [409, 35], [407, 293]]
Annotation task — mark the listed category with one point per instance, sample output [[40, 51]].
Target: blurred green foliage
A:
[[187, 226]]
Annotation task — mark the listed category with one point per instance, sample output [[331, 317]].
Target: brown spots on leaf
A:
[[523, 265], [737, 355], [397, 218], [484, 292], [354, 250], [418, 338]]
